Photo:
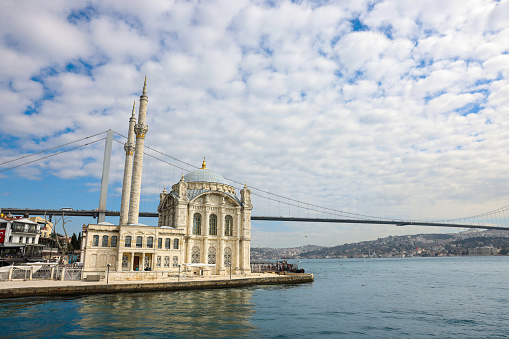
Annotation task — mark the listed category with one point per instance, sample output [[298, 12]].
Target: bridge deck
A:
[[94, 214]]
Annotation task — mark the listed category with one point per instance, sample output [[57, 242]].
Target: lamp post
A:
[[178, 277], [108, 274], [230, 263]]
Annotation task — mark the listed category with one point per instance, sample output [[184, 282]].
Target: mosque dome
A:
[[204, 175]]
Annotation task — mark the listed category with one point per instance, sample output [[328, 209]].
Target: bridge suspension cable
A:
[[51, 155], [497, 216], [50, 149], [296, 203], [264, 194]]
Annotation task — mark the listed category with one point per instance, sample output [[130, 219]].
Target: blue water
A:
[[453, 297]]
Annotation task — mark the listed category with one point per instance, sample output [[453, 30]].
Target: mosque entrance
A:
[[136, 265]]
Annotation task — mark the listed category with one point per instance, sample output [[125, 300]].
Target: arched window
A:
[[95, 240], [128, 241], [167, 243], [150, 242], [197, 224], [114, 241], [105, 241], [160, 243], [227, 256], [195, 255], [139, 241], [213, 224], [176, 244], [212, 255], [228, 230]]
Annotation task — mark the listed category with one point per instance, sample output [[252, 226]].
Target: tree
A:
[[74, 242]]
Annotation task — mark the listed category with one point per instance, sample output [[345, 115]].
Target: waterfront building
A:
[[215, 222], [19, 237], [45, 225], [203, 226], [483, 251]]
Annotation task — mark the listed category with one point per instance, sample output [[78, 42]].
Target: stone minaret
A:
[[140, 129], [128, 170]]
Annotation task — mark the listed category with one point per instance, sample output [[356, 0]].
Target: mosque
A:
[[203, 228]]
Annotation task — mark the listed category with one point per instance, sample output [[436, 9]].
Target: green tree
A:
[[74, 242]]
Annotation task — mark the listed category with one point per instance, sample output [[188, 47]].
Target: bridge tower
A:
[[141, 130]]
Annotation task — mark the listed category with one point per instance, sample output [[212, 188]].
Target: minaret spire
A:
[[128, 169], [141, 130]]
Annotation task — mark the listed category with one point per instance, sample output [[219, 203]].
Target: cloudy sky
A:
[[385, 108]]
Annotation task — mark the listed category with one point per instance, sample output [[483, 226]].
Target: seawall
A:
[[55, 288]]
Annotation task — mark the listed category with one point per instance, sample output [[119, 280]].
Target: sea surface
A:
[[449, 297]]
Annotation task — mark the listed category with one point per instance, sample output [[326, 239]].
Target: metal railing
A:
[[41, 272]]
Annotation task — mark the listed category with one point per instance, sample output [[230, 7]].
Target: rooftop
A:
[[204, 175]]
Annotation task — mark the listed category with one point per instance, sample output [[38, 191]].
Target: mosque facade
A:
[[203, 226]]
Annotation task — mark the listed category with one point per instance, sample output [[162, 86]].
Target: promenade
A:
[[25, 288]]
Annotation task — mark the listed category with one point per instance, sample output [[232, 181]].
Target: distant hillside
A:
[[423, 245], [265, 253], [464, 243]]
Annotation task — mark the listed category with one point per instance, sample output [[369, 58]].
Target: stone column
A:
[[237, 227], [188, 251], [141, 130], [206, 222], [237, 256], [206, 269], [131, 265], [142, 268], [220, 256], [128, 170], [220, 223], [246, 256], [119, 261], [190, 220]]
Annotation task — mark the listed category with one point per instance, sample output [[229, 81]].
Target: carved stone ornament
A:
[[129, 148], [141, 130], [245, 195]]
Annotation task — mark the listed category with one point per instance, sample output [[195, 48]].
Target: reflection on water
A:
[[167, 314], [452, 297], [194, 313]]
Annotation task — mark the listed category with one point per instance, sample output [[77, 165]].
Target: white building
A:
[[19, 237], [203, 225]]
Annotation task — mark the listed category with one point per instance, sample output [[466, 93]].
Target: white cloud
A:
[[403, 118]]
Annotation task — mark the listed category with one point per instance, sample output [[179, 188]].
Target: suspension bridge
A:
[[493, 220]]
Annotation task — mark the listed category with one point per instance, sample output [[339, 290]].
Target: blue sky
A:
[[386, 108]]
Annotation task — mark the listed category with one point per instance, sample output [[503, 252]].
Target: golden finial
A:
[[203, 165], [134, 105], [145, 86]]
